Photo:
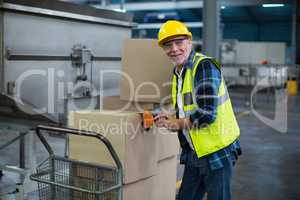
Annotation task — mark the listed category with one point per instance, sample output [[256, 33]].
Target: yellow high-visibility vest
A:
[[224, 130]]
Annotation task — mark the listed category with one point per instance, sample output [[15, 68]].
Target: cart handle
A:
[[80, 133]]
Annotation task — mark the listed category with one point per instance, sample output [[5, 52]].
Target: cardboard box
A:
[[165, 180], [147, 72], [136, 148], [115, 103], [142, 189], [168, 143], [162, 186]]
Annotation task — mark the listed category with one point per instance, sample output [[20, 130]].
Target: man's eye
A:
[[178, 42]]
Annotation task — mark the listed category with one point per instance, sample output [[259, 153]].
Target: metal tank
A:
[[52, 56], [55, 57]]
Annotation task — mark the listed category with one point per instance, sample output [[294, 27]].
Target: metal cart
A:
[[61, 178]]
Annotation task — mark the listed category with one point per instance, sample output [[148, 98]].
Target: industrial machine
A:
[[247, 63], [55, 57]]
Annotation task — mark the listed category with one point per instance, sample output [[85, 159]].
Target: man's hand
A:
[[160, 119], [173, 124]]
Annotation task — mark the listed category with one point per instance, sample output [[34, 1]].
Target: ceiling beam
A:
[[158, 25], [167, 5], [252, 2], [173, 5]]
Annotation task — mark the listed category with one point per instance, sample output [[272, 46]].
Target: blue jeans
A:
[[199, 179]]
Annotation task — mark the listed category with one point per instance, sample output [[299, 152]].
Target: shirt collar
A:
[[189, 62]]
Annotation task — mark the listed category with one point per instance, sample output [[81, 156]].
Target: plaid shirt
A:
[[207, 81]]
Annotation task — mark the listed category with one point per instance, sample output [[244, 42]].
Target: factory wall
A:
[[272, 32], [275, 32]]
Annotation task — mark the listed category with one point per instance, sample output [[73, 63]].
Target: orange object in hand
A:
[[148, 119]]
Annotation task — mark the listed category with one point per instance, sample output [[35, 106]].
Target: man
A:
[[206, 125]]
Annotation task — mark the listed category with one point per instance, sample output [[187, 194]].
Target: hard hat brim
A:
[[161, 43]]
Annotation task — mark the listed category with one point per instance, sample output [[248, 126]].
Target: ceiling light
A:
[[273, 5], [119, 10], [161, 16]]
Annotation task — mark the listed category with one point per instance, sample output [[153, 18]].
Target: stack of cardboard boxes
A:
[[149, 157]]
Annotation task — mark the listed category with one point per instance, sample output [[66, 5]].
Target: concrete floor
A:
[[10, 156], [268, 169], [269, 166]]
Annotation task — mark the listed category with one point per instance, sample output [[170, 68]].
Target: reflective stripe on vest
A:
[[188, 98], [224, 130]]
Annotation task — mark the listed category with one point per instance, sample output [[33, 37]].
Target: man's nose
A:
[[173, 47]]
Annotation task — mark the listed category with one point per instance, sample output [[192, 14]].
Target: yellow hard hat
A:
[[172, 28]]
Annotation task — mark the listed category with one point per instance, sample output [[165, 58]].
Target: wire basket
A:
[[61, 178]]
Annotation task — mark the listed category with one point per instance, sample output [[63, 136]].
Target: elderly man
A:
[[205, 121]]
